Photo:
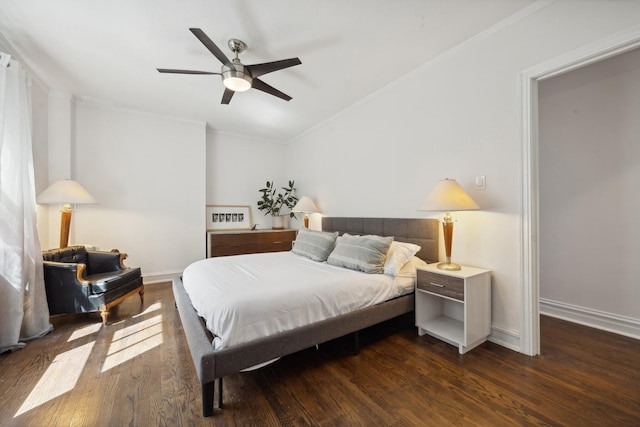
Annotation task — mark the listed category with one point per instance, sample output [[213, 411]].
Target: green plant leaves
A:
[[271, 202]]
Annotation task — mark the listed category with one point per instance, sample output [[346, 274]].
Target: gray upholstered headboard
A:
[[422, 232]]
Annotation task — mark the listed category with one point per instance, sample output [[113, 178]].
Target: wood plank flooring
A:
[[137, 371]]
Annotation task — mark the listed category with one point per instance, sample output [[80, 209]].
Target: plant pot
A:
[[278, 222]]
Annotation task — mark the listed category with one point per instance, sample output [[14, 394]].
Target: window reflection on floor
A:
[[60, 377], [63, 373], [85, 331], [133, 340]]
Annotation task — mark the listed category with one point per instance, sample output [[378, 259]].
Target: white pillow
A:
[[399, 254], [409, 269]]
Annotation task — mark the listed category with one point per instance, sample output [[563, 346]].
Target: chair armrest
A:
[[66, 272], [104, 262]]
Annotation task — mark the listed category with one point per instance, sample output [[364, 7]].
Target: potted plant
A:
[[272, 201]]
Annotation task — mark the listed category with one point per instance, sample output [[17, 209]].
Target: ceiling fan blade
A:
[[172, 71], [226, 96], [260, 85], [206, 41], [259, 69]]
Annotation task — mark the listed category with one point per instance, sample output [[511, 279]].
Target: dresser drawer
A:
[[277, 237], [233, 250], [276, 241], [234, 239], [452, 287], [249, 242], [283, 246]]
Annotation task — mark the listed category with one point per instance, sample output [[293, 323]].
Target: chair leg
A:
[[104, 309], [104, 313]]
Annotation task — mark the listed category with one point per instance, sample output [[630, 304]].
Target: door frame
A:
[[530, 268]]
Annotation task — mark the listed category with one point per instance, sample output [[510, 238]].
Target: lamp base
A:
[[65, 226], [449, 266]]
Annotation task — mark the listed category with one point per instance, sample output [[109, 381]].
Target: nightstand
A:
[[454, 306]]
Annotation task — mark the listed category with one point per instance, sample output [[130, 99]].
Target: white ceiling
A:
[[108, 50]]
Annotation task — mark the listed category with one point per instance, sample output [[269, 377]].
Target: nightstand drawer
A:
[[452, 287]]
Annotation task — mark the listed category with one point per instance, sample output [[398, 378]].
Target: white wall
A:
[[456, 117], [589, 150], [148, 175], [238, 166], [39, 107]]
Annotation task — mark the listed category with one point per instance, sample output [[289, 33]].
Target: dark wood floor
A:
[[137, 371]]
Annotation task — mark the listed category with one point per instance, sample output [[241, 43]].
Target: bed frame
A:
[[212, 365]]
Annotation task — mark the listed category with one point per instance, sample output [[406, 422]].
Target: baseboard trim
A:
[[164, 276], [505, 337], [609, 322]]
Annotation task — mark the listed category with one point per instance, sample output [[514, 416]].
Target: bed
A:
[[213, 361]]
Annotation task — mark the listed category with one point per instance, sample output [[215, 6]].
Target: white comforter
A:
[[245, 297]]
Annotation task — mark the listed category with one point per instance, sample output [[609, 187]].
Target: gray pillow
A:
[[316, 245], [361, 253]]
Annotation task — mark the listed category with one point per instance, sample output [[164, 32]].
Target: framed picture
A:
[[228, 217]]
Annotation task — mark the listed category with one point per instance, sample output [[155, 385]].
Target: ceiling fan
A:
[[236, 76]]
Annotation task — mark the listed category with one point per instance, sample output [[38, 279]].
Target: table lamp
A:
[[65, 192], [448, 196], [306, 206]]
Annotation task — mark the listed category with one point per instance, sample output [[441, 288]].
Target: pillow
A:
[[316, 245], [361, 253], [399, 254], [409, 269]]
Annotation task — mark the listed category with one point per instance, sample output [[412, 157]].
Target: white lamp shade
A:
[[306, 205], [65, 191], [448, 196]]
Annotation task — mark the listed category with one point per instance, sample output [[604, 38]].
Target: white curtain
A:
[[24, 313]]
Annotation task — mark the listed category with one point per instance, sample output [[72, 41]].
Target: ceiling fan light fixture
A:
[[237, 84], [236, 80]]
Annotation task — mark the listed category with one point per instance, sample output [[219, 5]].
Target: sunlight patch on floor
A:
[[85, 331], [133, 341], [153, 307], [60, 377]]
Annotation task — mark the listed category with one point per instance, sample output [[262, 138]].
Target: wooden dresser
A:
[[223, 243]]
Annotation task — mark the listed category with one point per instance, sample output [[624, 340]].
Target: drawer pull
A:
[[437, 284]]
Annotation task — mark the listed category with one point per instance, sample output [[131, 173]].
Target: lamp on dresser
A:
[[448, 196], [65, 192], [305, 205]]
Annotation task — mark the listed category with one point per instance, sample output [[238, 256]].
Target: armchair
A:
[[82, 281]]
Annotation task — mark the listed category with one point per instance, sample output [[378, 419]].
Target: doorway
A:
[[530, 272]]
